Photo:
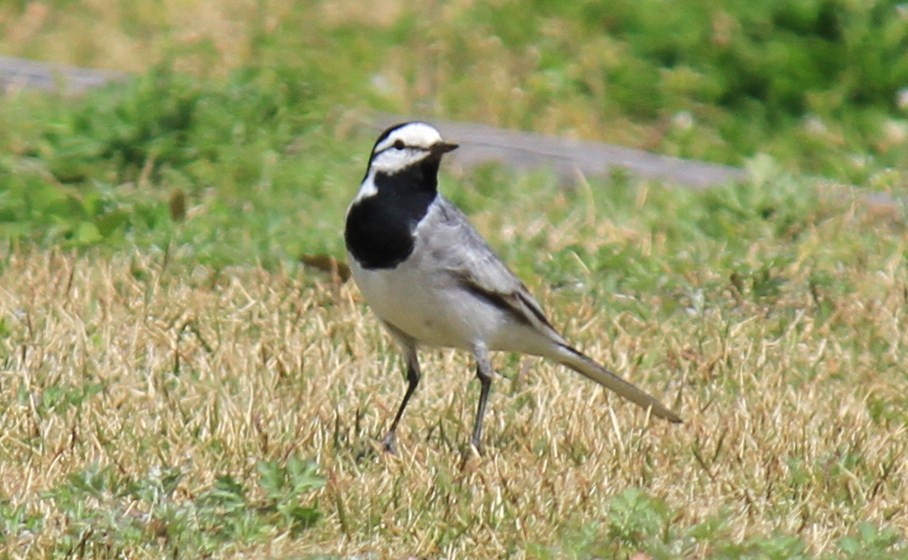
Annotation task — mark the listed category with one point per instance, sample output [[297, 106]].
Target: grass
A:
[[158, 406], [174, 383]]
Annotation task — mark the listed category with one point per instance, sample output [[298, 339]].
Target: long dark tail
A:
[[578, 362]]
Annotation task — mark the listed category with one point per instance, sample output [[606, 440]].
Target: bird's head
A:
[[404, 145]]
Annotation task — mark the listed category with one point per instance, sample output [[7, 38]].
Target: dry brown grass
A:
[[212, 372], [131, 36], [204, 36]]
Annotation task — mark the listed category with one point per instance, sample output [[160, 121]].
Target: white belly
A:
[[420, 305], [435, 311]]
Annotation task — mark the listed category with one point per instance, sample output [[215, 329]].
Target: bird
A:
[[432, 280]]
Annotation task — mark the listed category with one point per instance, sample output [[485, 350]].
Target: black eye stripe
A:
[[399, 145]]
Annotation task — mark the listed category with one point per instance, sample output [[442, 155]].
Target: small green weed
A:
[[637, 523], [103, 510], [871, 541]]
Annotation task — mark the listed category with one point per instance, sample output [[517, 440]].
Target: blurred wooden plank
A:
[[17, 74], [529, 150]]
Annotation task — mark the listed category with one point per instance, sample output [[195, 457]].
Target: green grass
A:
[[175, 384], [134, 164]]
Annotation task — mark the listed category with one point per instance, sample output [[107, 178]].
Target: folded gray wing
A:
[[469, 259]]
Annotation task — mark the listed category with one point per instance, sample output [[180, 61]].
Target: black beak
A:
[[442, 148]]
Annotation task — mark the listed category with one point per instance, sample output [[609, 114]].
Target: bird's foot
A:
[[389, 444], [470, 457]]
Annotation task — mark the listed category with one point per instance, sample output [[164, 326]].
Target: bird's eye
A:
[[399, 144]]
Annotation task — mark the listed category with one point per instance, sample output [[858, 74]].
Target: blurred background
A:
[[822, 85], [239, 93]]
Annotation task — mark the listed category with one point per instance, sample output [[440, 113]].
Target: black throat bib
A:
[[379, 229]]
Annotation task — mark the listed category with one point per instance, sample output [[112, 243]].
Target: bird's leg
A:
[[484, 373], [390, 441]]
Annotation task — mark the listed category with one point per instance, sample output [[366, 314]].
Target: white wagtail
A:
[[432, 279]]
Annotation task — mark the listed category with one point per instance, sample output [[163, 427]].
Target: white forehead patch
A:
[[413, 135], [405, 146]]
